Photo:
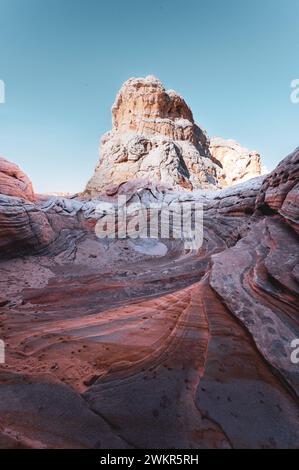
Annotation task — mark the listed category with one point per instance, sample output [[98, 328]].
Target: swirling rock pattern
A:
[[142, 343]]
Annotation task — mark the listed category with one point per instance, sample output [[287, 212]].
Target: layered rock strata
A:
[[154, 136], [13, 182], [142, 343]]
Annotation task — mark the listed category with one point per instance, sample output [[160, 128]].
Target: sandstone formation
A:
[[142, 343], [265, 298], [154, 136], [13, 182], [279, 193], [22, 225], [238, 163]]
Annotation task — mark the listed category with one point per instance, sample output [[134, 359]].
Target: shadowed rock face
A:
[[154, 136], [22, 225], [280, 191], [142, 343]]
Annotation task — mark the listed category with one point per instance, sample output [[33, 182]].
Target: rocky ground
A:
[[144, 344], [152, 343]]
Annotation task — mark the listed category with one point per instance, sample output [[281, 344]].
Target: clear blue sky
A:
[[64, 60]]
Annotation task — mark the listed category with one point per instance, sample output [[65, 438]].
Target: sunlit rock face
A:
[[145, 107], [153, 136], [238, 163], [13, 182]]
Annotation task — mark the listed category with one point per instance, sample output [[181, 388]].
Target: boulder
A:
[[13, 182], [238, 163]]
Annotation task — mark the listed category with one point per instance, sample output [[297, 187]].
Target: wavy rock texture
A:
[[279, 192], [154, 136], [142, 343], [265, 297], [13, 182]]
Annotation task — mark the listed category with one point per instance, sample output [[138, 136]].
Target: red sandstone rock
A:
[[279, 192], [169, 348], [13, 182]]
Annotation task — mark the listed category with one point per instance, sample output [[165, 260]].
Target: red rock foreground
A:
[[142, 344]]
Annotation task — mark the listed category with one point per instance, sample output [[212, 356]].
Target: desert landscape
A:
[[142, 343]]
